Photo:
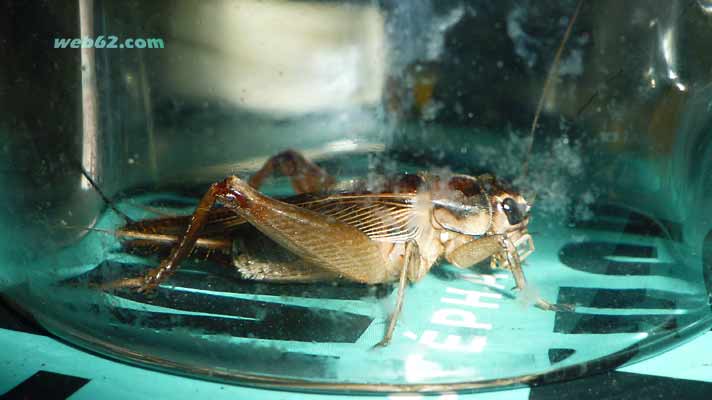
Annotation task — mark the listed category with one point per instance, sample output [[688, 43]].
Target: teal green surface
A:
[[423, 349], [24, 354]]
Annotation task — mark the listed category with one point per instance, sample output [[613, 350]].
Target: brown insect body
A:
[[409, 208], [389, 219], [394, 233]]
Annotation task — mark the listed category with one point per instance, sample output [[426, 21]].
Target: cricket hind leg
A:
[[158, 237], [306, 176], [186, 243]]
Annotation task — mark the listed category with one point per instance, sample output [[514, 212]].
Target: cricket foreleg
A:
[[187, 242], [474, 252], [306, 176], [521, 282], [504, 254]]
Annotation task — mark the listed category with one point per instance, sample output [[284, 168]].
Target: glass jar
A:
[[157, 101]]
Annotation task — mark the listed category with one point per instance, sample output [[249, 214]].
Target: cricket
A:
[[331, 231]]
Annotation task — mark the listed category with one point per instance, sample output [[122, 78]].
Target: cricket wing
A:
[[382, 217]]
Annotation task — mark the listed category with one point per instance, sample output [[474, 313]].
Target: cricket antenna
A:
[[89, 229], [108, 201], [547, 85]]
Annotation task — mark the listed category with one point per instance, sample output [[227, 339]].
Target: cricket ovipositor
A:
[[328, 232]]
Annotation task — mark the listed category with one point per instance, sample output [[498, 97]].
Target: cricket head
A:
[[482, 205], [510, 211]]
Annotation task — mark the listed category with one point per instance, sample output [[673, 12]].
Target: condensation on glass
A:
[[619, 179]]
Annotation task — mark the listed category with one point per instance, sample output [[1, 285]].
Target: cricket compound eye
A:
[[513, 211]]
